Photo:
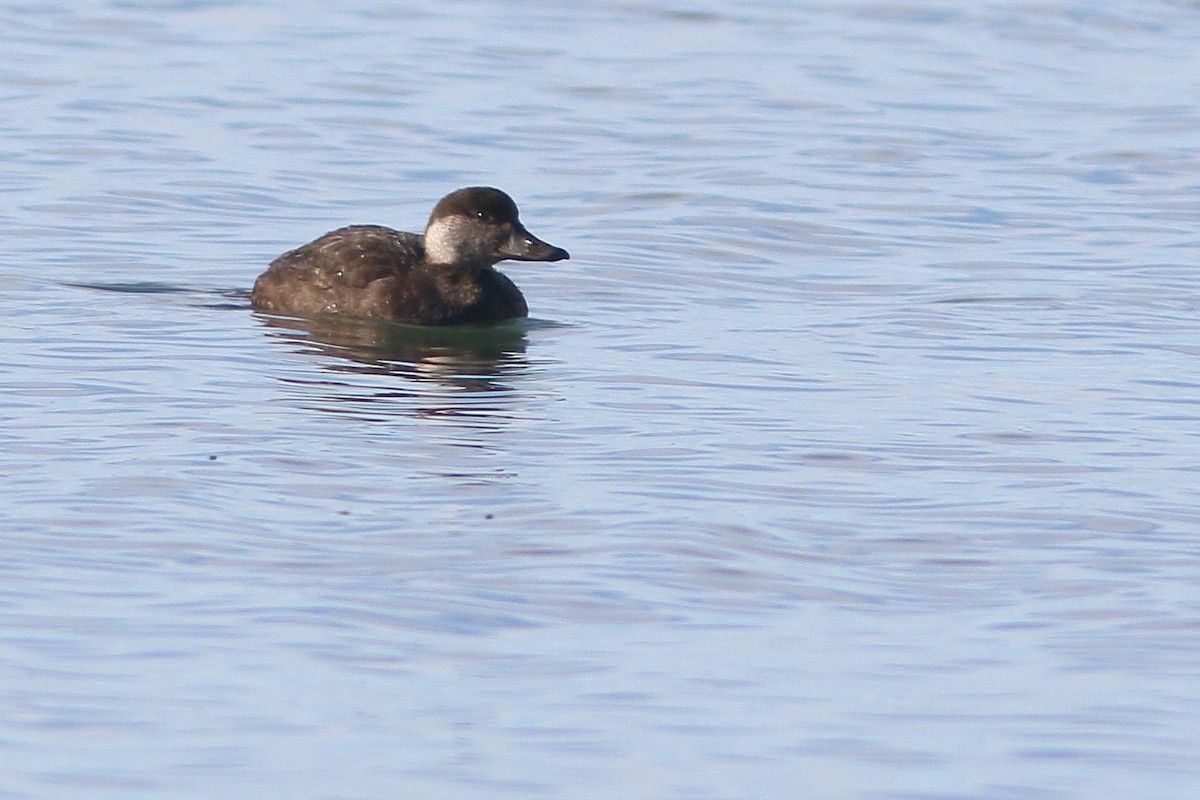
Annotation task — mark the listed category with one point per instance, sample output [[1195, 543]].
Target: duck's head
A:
[[479, 226]]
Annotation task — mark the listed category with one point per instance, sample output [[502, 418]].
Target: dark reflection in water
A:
[[470, 358], [460, 373]]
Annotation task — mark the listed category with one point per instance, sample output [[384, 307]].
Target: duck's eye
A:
[[480, 215]]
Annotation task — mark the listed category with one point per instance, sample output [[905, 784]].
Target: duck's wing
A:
[[349, 271], [353, 257]]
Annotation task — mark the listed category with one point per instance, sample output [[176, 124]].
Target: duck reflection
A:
[[475, 359]]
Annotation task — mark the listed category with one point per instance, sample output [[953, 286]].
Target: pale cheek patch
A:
[[442, 239]]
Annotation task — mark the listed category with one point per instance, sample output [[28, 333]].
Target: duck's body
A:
[[443, 277]]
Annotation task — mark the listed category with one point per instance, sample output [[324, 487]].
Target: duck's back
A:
[[374, 271]]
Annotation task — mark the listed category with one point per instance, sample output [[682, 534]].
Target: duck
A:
[[445, 276]]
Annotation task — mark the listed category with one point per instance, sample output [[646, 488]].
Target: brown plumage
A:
[[443, 277]]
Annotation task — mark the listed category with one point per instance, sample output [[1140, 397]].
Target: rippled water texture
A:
[[853, 455]]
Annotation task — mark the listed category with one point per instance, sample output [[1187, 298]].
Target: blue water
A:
[[854, 453]]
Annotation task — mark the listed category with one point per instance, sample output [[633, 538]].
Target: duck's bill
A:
[[524, 246]]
